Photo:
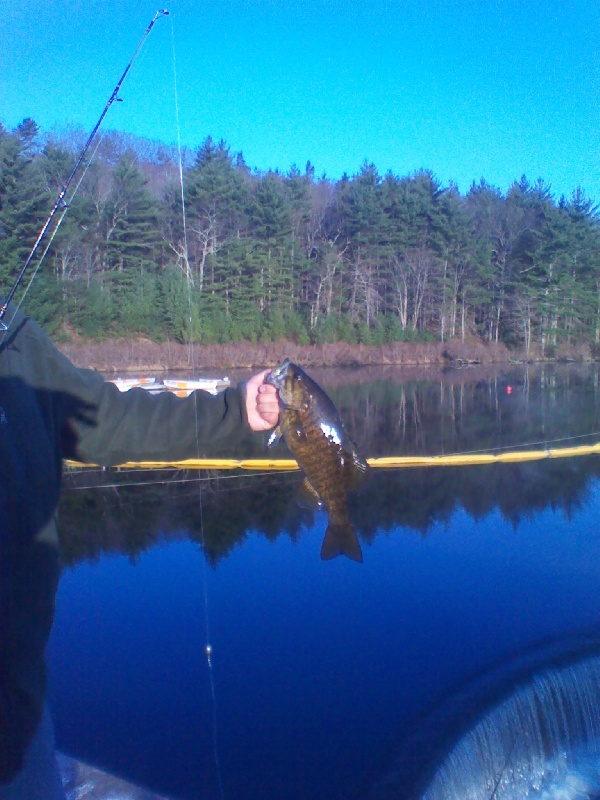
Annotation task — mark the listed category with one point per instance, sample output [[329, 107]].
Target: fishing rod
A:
[[60, 200]]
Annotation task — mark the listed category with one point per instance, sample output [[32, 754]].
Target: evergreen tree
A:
[[270, 229], [216, 198], [132, 246], [25, 198]]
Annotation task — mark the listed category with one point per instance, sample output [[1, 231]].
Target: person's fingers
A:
[[262, 405]]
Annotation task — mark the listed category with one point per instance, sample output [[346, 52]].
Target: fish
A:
[[311, 427]]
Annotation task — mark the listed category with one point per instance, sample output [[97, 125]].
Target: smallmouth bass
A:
[[315, 436]]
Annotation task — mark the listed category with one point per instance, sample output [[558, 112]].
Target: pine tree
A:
[[217, 193], [25, 199]]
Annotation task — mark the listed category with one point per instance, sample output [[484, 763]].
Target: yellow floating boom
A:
[[387, 462]]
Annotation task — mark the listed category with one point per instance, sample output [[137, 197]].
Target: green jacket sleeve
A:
[[137, 426], [106, 426]]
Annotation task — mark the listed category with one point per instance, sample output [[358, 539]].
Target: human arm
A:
[[98, 423], [135, 425]]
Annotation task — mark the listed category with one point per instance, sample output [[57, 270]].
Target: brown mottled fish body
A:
[[315, 435]]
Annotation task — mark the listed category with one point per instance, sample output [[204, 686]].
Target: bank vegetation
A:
[[370, 266]]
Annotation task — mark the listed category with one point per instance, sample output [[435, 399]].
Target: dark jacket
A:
[[51, 410]]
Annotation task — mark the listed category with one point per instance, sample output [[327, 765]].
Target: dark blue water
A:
[[321, 670]]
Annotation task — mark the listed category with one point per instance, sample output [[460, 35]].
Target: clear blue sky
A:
[[466, 88]]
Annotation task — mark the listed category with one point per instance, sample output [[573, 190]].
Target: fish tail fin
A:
[[341, 539]]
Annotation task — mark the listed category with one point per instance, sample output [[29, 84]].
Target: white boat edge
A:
[[84, 781], [181, 388]]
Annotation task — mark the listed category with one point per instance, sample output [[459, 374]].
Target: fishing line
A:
[[558, 440], [197, 479], [494, 793], [208, 650], [61, 201], [180, 162]]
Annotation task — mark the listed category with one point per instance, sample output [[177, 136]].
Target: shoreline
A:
[[140, 355]]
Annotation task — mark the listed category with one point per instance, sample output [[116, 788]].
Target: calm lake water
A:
[[334, 679]]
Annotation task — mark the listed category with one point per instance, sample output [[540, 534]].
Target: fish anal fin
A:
[[308, 497], [341, 539]]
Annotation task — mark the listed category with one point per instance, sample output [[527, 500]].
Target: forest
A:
[[268, 256]]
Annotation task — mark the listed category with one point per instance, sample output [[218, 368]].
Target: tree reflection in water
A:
[[387, 412]]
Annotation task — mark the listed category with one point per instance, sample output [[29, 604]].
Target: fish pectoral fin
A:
[[308, 497], [360, 472], [275, 436], [360, 463], [291, 406], [341, 539]]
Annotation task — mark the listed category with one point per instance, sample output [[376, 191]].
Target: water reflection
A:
[[505, 556], [420, 412], [461, 411], [136, 512]]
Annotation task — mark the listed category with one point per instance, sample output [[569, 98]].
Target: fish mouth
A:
[[277, 375]]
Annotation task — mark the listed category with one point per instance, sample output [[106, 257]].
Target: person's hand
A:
[[262, 405]]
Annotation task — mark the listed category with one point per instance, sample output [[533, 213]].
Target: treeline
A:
[[264, 256]]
